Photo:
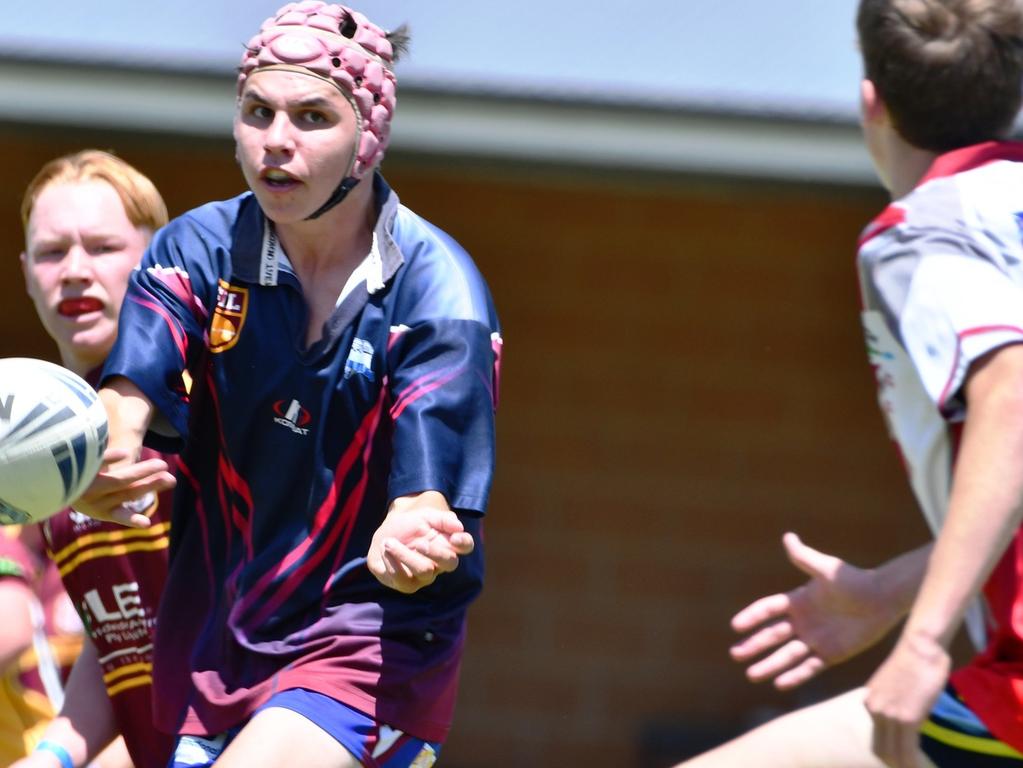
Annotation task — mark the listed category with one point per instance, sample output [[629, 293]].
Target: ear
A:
[[23, 258], [872, 107]]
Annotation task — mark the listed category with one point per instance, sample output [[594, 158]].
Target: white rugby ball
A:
[[53, 432]]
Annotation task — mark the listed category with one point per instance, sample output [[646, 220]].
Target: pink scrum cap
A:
[[344, 48]]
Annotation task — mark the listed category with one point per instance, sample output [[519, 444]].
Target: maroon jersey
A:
[[115, 576]]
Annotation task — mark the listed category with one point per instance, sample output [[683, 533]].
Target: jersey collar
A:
[[257, 256], [974, 156]]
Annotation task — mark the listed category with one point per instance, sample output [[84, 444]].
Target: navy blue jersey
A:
[[292, 454]]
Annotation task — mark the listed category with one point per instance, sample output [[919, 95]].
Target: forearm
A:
[[129, 412], [897, 582], [86, 722], [985, 504]]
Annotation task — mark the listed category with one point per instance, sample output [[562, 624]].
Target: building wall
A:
[[684, 379]]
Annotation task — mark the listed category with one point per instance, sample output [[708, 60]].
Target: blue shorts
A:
[[954, 737], [375, 745]]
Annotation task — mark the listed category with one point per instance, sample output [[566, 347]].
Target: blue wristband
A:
[[56, 749]]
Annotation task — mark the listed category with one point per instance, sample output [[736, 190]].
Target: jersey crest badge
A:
[[228, 317]]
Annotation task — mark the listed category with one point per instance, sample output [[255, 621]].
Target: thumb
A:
[[810, 561]]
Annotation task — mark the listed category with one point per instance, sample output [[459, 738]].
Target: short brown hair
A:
[[950, 72], [142, 202]]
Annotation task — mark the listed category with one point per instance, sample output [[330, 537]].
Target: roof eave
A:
[[573, 133]]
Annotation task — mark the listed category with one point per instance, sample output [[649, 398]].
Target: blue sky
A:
[[783, 55]]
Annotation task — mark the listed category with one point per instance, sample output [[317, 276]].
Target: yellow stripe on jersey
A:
[[130, 676], [979, 744], [128, 669], [104, 537], [131, 682], [119, 549]]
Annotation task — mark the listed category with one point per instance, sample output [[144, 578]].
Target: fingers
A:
[[442, 550], [130, 473], [462, 543], [407, 569], [111, 493], [810, 667], [115, 494], [443, 520], [127, 516], [763, 610], [809, 560], [789, 655], [414, 545], [768, 637]]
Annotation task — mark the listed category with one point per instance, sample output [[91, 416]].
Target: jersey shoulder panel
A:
[[439, 278]]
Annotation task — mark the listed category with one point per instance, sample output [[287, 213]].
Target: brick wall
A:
[[684, 380]]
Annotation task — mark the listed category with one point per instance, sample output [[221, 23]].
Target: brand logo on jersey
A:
[[360, 359], [293, 416], [228, 317], [5, 408]]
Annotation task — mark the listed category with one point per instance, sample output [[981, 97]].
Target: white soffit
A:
[[604, 135]]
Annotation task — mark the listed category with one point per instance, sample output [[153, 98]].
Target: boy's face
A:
[[295, 137], [80, 249]]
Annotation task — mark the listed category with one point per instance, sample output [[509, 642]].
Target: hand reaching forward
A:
[[420, 538], [119, 483], [838, 613]]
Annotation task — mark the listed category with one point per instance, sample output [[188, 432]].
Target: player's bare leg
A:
[[276, 736], [833, 734]]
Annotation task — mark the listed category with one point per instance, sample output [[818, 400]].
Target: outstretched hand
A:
[[115, 493], [417, 542], [833, 616]]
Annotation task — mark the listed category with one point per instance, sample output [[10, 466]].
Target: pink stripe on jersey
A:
[[360, 491], [420, 387], [184, 470], [172, 324], [343, 526], [227, 476], [498, 346]]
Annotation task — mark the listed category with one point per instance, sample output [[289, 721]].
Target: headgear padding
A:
[[344, 48]]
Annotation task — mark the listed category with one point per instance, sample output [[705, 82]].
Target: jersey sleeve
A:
[[950, 306], [443, 361], [161, 334]]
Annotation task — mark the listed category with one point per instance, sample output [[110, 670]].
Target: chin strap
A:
[[339, 194]]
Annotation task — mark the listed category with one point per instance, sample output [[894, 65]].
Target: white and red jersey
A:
[[941, 275]]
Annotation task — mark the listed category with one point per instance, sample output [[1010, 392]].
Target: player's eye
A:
[[260, 112], [313, 117], [49, 254]]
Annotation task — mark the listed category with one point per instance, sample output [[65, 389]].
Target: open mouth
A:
[[275, 178], [80, 306]]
